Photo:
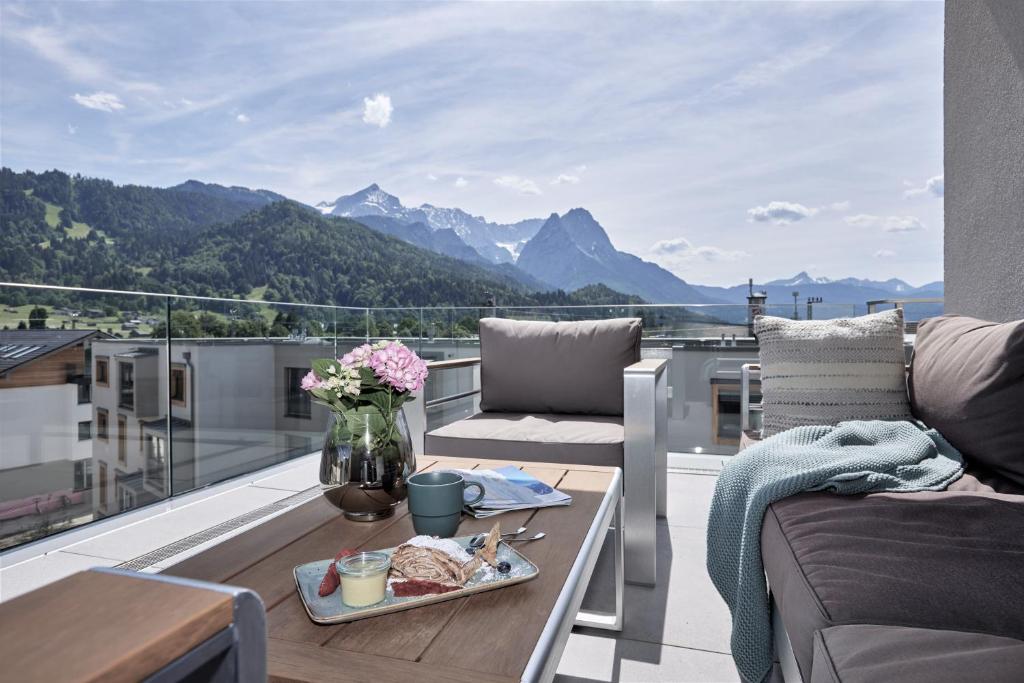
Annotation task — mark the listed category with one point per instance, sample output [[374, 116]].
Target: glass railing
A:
[[111, 400]]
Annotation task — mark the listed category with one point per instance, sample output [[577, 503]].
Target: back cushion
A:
[[571, 368], [822, 372], [967, 381]]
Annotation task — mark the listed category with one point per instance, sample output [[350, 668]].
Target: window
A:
[[156, 463], [85, 430], [102, 419], [178, 387], [103, 371], [122, 439], [83, 474], [127, 499], [298, 403], [103, 484], [126, 373]]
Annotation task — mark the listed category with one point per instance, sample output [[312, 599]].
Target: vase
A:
[[366, 460]]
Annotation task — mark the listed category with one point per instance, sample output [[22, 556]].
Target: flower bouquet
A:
[[367, 452]]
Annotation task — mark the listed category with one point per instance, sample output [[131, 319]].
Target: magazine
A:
[[509, 488]]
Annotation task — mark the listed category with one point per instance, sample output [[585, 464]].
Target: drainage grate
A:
[[171, 549]]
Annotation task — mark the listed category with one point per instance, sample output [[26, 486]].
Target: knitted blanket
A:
[[851, 458]]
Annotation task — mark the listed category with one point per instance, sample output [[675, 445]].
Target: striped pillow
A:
[[822, 372]]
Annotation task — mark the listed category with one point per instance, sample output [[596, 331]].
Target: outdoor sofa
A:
[[918, 587]]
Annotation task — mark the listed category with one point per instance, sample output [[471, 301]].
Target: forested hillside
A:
[[206, 240]]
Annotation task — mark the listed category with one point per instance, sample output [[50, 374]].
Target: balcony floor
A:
[[677, 631]]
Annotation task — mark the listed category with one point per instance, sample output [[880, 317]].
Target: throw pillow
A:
[[566, 367], [967, 381], [823, 372]]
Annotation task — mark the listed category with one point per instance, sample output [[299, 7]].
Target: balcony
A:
[[210, 439]]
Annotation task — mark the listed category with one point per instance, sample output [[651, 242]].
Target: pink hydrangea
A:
[[395, 364], [311, 381], [357, 357]]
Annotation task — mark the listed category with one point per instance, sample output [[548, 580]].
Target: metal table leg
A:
[[610, 621]]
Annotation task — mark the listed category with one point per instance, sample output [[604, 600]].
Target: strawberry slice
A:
[[331, 579]]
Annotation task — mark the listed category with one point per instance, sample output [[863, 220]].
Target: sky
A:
[[723, 140]]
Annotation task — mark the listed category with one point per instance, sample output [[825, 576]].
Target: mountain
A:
[[574, 251], [240, 195], [208, 240], [496, 242], [845, 291]]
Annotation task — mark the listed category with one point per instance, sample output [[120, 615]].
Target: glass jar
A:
[[364, 578]]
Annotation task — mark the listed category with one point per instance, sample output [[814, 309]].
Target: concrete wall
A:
[[984, 158]]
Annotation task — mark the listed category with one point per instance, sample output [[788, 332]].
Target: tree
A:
[[183, 326], [37, 318], [212, 325]]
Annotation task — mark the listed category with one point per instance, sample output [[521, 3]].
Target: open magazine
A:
[[509, 488]]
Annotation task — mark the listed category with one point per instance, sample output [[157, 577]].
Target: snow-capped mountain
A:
[[495, 242]]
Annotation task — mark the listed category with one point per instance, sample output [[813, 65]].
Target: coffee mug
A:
[[436, 501]]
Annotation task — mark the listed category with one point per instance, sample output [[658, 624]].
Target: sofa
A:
[[922, 586]]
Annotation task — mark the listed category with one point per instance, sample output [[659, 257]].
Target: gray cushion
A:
[[573, 368], [822, 372], [565, 439], [967, 381], [943, 560], [867, 653]]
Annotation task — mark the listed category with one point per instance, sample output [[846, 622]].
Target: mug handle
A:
[[476, 500]]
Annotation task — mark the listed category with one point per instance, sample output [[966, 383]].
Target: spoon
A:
[[479, 540], [536, 537]]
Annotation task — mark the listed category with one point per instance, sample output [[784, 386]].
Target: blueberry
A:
[[504, 567]]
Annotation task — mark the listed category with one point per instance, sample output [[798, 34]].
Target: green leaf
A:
[[320, 366]]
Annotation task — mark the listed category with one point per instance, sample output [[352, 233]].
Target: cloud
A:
[[242, 118], [935, 186], [885, 253], [566, 179], [431, 177], [460, 182], [674, 253], [839, 206], [72, 129], [521, 185], [103, 101], [781, 213], [886, 223], [377, 110]]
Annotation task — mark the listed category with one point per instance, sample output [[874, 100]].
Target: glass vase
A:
[[365, 462]]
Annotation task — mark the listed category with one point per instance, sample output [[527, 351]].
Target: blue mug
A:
[[436, 501]]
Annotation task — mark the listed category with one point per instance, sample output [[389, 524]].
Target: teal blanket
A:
[[854, 457]]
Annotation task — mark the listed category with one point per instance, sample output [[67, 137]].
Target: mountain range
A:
[[561, 252], [71, 230]]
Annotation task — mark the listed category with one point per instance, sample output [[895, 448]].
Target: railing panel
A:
[[235, 404], [71, 391]]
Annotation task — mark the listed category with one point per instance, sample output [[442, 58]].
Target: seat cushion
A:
[[967, 381], [823, 372], [568, 368], [567, 439], [944, 560], [867, 653]]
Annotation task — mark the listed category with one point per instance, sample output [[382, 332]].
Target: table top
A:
[[483, 638], [74, 629]]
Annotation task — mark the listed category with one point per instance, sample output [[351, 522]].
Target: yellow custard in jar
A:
[[364, 578]]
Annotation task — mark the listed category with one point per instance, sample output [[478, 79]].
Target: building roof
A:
[[18, 347]]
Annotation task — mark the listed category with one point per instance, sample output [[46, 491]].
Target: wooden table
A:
[[510, 634]]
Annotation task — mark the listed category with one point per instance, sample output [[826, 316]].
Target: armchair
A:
[[574, 393]]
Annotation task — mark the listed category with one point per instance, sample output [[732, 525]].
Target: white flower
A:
[[331, 369]]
